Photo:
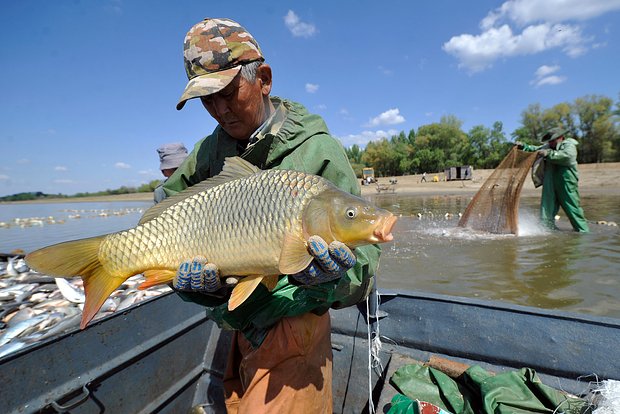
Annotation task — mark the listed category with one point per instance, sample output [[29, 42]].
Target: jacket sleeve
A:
[[533, 148]]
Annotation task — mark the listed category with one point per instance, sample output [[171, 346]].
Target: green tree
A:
[[382, 156], [444, 140], [532, 123], [595, 128]]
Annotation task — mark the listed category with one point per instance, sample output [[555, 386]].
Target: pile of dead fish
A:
[[35, 307]]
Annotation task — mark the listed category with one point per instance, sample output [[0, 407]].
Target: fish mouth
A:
[[383, 232]]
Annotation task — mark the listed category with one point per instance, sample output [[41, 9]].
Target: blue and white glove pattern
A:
[[330, 262], [197, 275]]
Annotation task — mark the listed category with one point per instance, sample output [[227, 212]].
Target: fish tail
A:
[[78, 258]]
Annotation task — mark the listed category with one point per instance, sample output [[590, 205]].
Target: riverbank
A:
[[593, 179], [93, 199]]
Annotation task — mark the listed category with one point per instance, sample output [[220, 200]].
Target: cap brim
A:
[[207, 84]]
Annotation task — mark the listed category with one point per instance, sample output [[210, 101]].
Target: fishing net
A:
[[495, 206]]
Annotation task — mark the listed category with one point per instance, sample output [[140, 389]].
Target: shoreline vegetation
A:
[[593, 179]]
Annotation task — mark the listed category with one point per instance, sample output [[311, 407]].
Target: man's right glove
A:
[[520, 145], [330, 262]]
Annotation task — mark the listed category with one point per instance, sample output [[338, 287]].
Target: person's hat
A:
[[554, 133], [214, 51], [171, 155]]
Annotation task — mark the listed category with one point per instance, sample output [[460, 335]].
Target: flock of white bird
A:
[[72, 214]]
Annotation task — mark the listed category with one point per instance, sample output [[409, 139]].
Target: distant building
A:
[[462, 172]]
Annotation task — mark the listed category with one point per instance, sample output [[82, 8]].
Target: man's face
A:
[[167, 172], [241, 107], [554, 142]]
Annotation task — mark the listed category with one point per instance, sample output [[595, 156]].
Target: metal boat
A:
[[165, 356]]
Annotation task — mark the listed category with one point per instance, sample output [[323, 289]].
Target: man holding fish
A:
[[258, 226], [281, 354]]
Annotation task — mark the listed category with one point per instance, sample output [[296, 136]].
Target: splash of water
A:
[[530, 225]]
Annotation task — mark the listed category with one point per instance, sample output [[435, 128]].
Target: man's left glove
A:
[[199, 276], [330, 262]]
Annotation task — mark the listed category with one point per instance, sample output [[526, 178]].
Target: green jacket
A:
[[560, 162], [292, 139]]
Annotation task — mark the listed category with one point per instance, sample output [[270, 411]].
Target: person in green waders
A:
[[280, 359], [560, 183]]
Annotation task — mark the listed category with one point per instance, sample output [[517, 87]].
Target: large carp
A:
[[249, 222]]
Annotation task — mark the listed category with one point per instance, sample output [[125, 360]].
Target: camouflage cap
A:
[[213, 51], [554, 133]]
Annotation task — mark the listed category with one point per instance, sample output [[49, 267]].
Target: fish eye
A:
[[351, 213]]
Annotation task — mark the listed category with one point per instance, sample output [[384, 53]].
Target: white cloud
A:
[[479, 52], [524, 12], [545, 70], [60, 168], [297, 27], [311, 87], [122, 165], [23, 161], [389, 117], [321, 107], [63, 181], [4, 177], [539, 27], [365, 137], [551, 80], [543, 76]]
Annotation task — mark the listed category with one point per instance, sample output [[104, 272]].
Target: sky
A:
[[88, 88]]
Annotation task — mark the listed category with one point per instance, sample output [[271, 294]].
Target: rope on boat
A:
[[374, 344]]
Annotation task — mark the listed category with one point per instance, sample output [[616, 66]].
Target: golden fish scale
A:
[[238, 225]]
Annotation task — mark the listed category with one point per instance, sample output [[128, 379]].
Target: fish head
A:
[[337, 215]]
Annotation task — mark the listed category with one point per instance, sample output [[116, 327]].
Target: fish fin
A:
[[243, 290], [156, 277], [234, 168], [78, 258], [270, 282], [294, 256]]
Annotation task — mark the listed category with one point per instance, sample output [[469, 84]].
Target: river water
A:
[[553, 270]]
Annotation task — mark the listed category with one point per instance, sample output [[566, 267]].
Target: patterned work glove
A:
[[330, 262], [544, 152], [519, 144], [197, 275]]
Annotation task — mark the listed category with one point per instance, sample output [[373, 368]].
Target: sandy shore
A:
[[593, 179]]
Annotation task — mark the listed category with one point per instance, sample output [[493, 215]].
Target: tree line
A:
[[38, 195], [593, 120]]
